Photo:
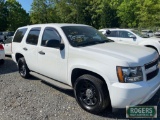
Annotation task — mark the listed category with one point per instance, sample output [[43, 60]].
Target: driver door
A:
[[52, 61]]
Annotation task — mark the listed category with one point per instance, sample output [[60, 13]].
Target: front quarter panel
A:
[[105, 66]]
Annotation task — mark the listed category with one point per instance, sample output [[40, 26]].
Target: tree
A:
[[17, 16], [3, 15], [127, 13], [148, 13], [42, 11], [108, 16]]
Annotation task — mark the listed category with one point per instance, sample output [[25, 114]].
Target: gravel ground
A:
[[31, 99]]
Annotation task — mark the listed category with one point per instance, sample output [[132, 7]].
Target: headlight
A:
[[129, 74]]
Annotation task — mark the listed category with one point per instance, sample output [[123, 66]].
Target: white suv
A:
[[148, 33], [133, 37], [100, 71]]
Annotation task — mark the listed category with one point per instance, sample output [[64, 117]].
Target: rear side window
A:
[[33, 36], [113, 34], [19, 35]]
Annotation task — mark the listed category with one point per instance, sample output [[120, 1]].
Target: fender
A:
[[97, 68]]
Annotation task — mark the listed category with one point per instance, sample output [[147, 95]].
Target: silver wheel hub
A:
[[89, 93]]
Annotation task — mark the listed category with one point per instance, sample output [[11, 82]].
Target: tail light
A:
[[1, 47]]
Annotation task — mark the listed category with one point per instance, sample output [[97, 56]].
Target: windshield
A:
[[83, 36], [139, 34]]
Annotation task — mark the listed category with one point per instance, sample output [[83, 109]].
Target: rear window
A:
[[19, 35]]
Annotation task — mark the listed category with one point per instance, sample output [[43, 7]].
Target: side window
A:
[[125, 34], [113, 34], [50, 34], [33, 36], [19, 35]]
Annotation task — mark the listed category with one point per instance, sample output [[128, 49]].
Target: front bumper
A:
[[131, 94]]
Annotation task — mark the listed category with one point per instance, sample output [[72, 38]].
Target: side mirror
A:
[[54, 44], [108, 32]]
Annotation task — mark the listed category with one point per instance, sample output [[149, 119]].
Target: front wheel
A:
[[23, 68], [91, 93]]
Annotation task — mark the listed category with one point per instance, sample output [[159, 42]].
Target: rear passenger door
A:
[[30, 48], [52, 61]]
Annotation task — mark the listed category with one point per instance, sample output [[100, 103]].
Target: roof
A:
[[54, 24], [114, 29]]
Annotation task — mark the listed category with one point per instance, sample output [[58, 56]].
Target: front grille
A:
[[153, 73]]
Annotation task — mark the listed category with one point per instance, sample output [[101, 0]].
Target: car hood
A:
[[133, 55]]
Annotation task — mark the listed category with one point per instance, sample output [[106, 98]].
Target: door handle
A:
[[25, 49], [41, 52]]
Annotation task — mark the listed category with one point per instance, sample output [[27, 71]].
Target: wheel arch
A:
[[77, 72], [17, 56], [152, 46]]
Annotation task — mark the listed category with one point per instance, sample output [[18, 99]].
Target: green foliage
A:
[[42, 11], [12, 15], [139, 13], [149, 13], [3, 15], [126, 13], [17, 16], [97, 13]]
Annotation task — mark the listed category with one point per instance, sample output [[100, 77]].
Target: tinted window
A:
[[125, 34], [19, 35], [1, 33], [83, 36], [50, 34], [33, 36], [113, 34]]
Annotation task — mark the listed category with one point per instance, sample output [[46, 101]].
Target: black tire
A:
[[91, 94], [23, 68], [1, 62]]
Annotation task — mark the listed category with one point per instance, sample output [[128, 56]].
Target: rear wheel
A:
[[91, 93], [23, 68]]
